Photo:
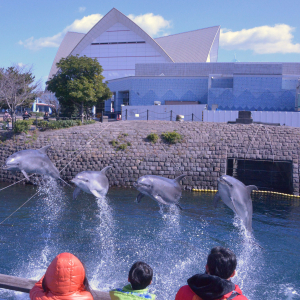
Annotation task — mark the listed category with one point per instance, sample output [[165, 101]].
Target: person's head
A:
[[65, 274], [140, 275], [221, 262]]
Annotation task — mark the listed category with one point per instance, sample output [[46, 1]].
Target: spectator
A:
[[26, 115], [46, 116], [7, 118], [65, 279], [140, 276], [215, 283]]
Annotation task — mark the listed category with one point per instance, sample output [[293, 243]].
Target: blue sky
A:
[[254, 31]]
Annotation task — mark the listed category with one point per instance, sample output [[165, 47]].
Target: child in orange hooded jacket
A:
[[64, 280]]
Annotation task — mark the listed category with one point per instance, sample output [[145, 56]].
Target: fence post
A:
[[126, 114], [171, 115], [192, 117], [36, 120], [147, 114], [102, 116]]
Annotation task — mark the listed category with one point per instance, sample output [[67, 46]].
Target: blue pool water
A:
[[110, 234]]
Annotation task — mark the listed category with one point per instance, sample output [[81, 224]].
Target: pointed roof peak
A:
[[112, 17]]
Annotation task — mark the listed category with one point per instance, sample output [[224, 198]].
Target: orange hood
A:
[[65, 274]]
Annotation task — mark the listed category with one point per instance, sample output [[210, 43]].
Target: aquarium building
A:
[[179, 69]]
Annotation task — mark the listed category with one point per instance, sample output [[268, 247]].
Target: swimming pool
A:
[[110, 234]]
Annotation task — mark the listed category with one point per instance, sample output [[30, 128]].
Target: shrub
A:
[[152, 137], [122, 147], [128, 144], [43, 125], [114, 143], [22, 126], [172, 137], [89, 122]]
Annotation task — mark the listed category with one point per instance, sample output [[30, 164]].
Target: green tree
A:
[[78, 84], [17, 87]]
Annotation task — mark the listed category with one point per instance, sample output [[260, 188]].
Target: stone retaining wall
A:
[[202, 154]]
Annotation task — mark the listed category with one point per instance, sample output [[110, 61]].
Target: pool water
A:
[[110, 234]]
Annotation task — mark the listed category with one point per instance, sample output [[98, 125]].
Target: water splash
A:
[[48, 212], [175, 254], [103, 247], [289, 291], [250, 260]]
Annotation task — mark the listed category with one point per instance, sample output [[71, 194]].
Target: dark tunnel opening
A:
[[267, 175]]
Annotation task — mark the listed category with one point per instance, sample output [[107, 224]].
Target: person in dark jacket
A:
[[215, 284], [26, 115]]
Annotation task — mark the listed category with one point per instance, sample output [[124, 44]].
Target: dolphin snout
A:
[[223, 180]]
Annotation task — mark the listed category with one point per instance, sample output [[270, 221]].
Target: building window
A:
[[115, 43], [125, 96]]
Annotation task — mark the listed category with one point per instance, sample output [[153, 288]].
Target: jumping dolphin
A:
[[164, 190], [32, 161], [92, 182], [236, 196]]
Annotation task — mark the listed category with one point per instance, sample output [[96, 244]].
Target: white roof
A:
[[191, 46], [71, 39], [112, 17]]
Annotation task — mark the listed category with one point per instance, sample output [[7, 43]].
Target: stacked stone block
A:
[[202, 154]]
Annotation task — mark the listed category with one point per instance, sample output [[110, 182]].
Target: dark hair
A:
[[140, 275], [221, 262]]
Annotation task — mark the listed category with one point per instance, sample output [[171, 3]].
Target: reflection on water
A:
[[110, 234]]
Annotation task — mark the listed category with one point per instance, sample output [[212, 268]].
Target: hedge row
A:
[[24, 126]]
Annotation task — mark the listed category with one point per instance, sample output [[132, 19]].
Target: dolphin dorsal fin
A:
[[250, 188], [105, 169], [179, 178], [44, 149]]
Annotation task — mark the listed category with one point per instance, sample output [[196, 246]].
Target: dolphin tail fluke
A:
[[179, 178], [25, 174], [44, 149], [139, 197], [217, 198], [76, 192], [105, 169], [178, 206]]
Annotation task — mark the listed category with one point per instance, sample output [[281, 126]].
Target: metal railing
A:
[[165, 116], [25, 285]]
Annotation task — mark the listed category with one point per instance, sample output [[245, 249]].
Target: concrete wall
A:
[[146, 90], [231, 86], [277, 117], [202, 155]]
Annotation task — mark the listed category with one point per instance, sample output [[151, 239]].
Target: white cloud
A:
[[82, 9], [21, 65], [83, 25], [261, 40], [152, 24]]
